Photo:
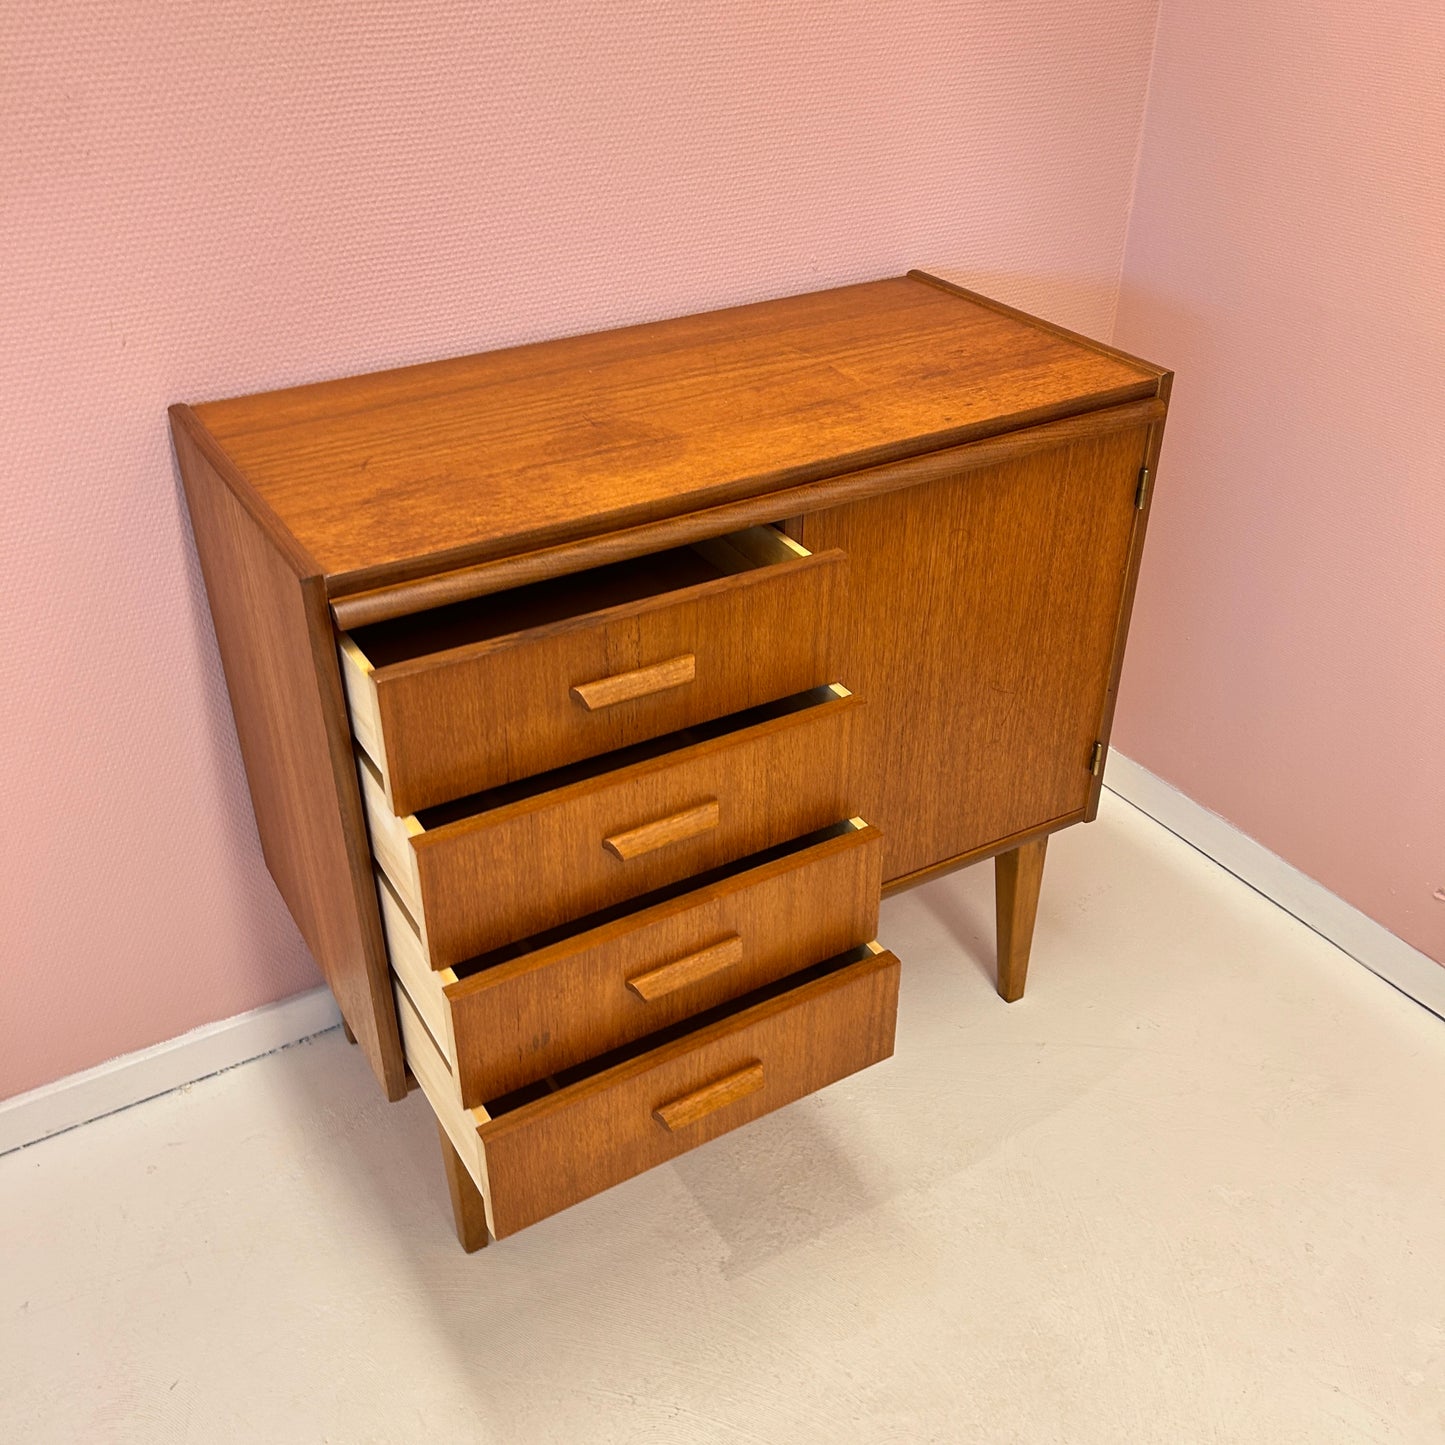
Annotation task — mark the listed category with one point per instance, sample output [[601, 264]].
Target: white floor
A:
[[1192, 1188]]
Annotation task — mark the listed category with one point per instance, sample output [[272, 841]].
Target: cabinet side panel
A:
[[1131, 581], [274, 635], [979, 628]]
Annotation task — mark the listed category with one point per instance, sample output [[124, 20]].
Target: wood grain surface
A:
[[980, 623], [365, 607], [401, 473], [636, 682], [663, 832], [511, 871], [558, 1004], [679, 973], [469, 1209], [1018, 876], [977, 467], [592, 1134], [1131, 580], [465, 718], [693, 1107], [274, 635]]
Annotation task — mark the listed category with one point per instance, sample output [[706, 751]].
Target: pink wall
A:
[[201, 202], [1287, 255]]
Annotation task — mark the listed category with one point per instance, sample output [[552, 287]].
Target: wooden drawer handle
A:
[[710, 1098], [675, 829], [656, 982], [643, 682]]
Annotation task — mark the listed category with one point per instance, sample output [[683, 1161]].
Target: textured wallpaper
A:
[[1287, 256], [203, 200]]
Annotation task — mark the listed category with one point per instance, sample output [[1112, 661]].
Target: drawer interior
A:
[[578, 594]]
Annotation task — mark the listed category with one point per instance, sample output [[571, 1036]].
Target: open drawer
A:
[[506, 864], [510, 1018], [467, 697], [543, 1148]]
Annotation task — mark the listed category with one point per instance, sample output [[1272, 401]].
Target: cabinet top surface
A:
[[400, 473]]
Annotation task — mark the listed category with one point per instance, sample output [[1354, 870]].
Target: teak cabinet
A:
[[591, 692]]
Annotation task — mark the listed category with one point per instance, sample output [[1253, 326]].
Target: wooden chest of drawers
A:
[[591, 692]]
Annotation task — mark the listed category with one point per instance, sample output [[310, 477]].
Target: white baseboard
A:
[[79, 1098], [1366, 941]]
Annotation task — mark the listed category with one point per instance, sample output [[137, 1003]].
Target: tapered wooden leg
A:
[[1016, 878], [468, 1210], [346, 1029]]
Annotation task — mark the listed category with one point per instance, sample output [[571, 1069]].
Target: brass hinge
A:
[[1141, 492], [1096, 759]]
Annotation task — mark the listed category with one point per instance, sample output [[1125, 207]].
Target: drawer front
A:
[[455, 722], [521, 1020], [593, 1134], [490, 878]]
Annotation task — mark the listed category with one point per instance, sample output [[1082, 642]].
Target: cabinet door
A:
[[978, 627]]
